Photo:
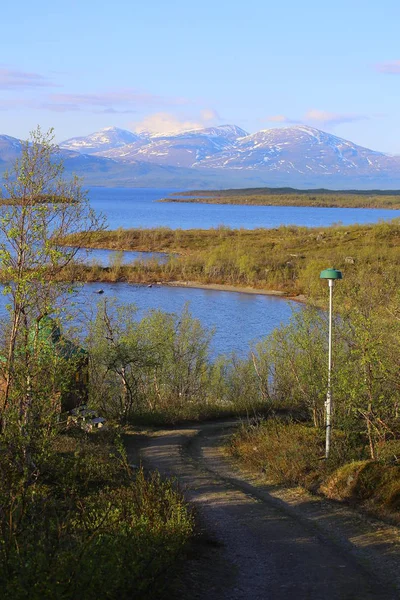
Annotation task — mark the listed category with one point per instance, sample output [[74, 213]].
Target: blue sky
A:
[[84, 65]]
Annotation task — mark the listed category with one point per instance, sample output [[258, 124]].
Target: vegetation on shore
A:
[[364, 465], [287, 259], [389, 199], [38, 199], [159, 370], [75, 520]]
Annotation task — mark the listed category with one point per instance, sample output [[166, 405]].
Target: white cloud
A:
[[323, 117], [209, 115], [278, 119], [163, 122], [317, 117]]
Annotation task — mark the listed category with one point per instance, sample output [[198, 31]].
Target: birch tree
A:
[[39, 206]]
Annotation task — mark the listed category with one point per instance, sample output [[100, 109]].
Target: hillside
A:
[[220, 157]]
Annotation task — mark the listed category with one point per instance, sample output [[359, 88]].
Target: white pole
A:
[[328, 403]]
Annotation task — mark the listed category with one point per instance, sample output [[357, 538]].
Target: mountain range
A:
[[224, 156]]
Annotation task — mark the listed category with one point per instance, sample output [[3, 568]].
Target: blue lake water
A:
[[139, 208], [237, 318]]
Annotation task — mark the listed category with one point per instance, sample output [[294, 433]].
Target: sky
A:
[[83, 65]]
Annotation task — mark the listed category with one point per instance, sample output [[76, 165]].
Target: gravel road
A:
[[264, 542]]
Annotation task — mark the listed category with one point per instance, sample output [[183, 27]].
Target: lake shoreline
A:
[[221, 287]]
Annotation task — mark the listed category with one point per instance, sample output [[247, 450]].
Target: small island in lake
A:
[[287, 196]]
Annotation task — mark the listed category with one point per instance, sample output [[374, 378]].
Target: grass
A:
[[286, 259], [292, 453]]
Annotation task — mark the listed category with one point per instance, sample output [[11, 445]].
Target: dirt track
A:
[[263, 542]]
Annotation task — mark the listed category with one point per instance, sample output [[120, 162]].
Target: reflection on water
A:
[[108, 258]]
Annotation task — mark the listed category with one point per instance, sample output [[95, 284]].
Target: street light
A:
[[331, 275]]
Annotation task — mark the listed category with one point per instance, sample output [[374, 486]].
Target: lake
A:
[[237, 318], [139, 208]]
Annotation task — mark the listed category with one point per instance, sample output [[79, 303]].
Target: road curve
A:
[[261, 542]]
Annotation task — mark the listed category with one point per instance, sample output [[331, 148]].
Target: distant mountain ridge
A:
[[182, 149], [222, 156], [297, 150], [106, 139]]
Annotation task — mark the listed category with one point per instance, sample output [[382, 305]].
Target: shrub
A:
[[287, 453], [86, 528]]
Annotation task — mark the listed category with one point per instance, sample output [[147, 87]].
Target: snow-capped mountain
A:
[[300, 150], [229, 132], [106, 139], [183, 149], [289, 151], [224, 156]]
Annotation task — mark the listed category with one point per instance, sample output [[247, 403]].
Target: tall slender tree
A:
[[39, 206]]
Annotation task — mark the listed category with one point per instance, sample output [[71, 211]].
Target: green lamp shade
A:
[[331, 274]]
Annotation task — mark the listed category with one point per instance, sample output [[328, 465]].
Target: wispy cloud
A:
[[18, 80], [165, 122], [391, 67], [125, 101], [328, 118], [120, 101], [318, 117], [19, 103]]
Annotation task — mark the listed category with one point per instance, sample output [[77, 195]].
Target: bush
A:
[[286, 452], [375, 485], [291, 453], [86, 528]]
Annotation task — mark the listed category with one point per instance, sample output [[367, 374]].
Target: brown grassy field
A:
[[286, 259], [292, 197]]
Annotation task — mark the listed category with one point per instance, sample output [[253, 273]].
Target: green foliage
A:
[[32, 262], [159, 364], [74, 522], [85, 528]]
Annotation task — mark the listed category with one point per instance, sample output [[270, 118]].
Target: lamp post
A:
[[331, 275]]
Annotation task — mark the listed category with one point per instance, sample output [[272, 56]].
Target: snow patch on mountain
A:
[[106, 139]]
